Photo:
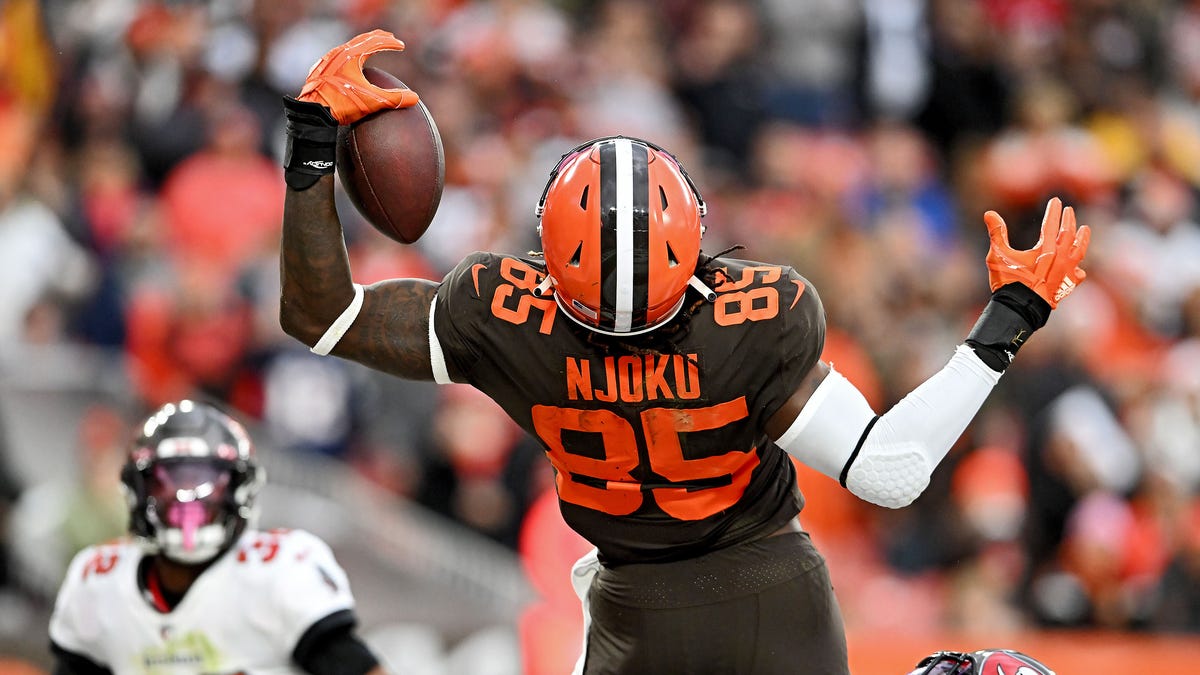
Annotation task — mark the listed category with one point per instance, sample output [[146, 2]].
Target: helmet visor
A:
[[187, 494]]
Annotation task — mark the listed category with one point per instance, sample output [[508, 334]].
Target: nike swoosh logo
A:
[[799, 292], [475, 276]]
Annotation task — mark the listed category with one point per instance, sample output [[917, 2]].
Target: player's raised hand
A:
[[1051, 268], [337, 80]]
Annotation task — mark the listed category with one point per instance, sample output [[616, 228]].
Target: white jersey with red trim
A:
[[244, 614]]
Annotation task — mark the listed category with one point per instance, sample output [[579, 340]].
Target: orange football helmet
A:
[[619, 220]]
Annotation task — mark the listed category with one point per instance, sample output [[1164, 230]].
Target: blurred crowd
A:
[[861, 142]]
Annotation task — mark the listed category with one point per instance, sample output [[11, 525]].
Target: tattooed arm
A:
[[391, 332]]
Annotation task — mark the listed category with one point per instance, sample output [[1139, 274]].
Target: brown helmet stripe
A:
[[624, 235]]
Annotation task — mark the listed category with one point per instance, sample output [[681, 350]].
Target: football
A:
[[393, 166]]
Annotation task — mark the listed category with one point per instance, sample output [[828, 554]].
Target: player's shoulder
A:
[[101, 576], [755, 289], [289, 571], [302, 542], [99, 568], [479, 274], [268, 551], [743, 272]]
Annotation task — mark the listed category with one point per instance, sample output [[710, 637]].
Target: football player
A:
[[669, 388], [983, 662], [196, 589]]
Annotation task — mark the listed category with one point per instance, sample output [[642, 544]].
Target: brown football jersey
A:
[[658, 440]]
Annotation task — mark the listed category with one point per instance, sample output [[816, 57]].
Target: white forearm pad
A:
[[892, 464]]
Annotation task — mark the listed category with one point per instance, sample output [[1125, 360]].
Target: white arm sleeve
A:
[[887, 460]]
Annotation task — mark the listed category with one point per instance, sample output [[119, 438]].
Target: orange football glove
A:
[[1051, 267], [337, 80]]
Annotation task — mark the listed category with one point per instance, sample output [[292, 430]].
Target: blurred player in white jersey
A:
[[197, 589]]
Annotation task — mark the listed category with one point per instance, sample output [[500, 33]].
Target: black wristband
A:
[[311, 143], [1022, 300], [1012, 315]]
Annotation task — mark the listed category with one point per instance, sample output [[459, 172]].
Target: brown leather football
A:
[[393, 166]]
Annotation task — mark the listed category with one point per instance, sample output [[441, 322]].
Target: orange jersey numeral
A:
[[522, 276], [607, 484], [734, 305]]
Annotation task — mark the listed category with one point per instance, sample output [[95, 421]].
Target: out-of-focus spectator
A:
[[896, 77], [990, 509], [627, 52], [96, 511], [1151, 253], [10, 491], [968, 89], [479, 468], [812, 49], [1098, 577], [722, 82], [551, 628], [904, 188], [223, 234], [1179, 588], [39, 263], [39, 260], [71, 510], [1044, 151], [189, 333]]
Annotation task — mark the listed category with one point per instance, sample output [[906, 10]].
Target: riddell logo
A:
[[318, 163]]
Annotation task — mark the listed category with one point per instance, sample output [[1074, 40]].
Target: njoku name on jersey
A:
[[245, 614]]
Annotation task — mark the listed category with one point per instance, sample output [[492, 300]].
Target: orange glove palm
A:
[[1051, 268], [337, 80]]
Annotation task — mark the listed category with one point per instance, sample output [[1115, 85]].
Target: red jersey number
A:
[[621, 494], [264, 547], [102, 562]]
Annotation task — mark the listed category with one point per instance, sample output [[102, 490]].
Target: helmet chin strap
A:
[[664, 321], [544, 287], [547, 286], [702, 288]]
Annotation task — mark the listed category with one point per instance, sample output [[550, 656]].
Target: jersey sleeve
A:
[[74, 623], [457, 309], [802, 336], [308, 586], [482, 291]]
